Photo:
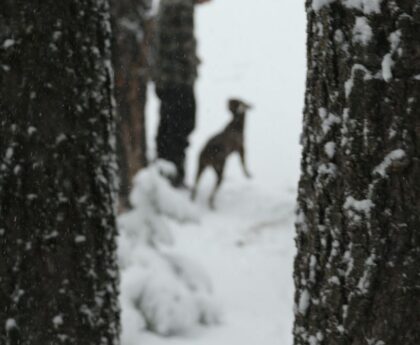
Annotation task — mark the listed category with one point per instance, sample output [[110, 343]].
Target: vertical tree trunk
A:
[[356, 273], [58, 269], [131, 49]]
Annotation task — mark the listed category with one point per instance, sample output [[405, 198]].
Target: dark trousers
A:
[[177, 121]]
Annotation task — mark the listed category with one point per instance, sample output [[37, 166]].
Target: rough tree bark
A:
[[58, 271], [358, 227], [132, 29]]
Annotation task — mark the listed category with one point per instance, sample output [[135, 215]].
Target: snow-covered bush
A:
[[161, 291], [154, 192]]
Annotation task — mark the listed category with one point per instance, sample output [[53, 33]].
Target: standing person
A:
[[175, 73]]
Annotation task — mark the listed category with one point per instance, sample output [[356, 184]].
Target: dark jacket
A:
[[175, 61]]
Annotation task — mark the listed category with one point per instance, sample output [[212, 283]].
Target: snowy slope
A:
[[253, 50]]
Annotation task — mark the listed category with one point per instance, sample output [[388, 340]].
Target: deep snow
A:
[[253, 50]]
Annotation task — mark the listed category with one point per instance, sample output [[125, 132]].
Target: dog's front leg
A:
[[244, 165]]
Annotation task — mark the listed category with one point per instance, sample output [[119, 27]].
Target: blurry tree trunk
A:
[[130, 58], [357, 271], [58, 268]]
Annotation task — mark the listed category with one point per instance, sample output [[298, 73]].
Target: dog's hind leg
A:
[[197, 179], [219, 172]]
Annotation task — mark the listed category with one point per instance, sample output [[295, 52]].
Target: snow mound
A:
[[161, 291], [153, 191]]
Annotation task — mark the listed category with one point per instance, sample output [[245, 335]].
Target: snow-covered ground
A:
[[252, 50]]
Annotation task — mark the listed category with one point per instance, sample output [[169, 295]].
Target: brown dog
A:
[[219, 147]]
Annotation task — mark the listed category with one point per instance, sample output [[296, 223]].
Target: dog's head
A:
[[238, 107]]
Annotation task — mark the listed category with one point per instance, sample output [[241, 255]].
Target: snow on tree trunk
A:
[[358, 219], [58, 267], [132, 29]]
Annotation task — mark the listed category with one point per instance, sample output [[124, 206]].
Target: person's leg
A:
[[184, 126], [177, 121]]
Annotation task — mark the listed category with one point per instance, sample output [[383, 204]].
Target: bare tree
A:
[[58, 269], [356, 273], [132, 30]]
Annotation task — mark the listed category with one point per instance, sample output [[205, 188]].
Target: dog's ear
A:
[[248, 106], [233, 105], [243, 107]]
